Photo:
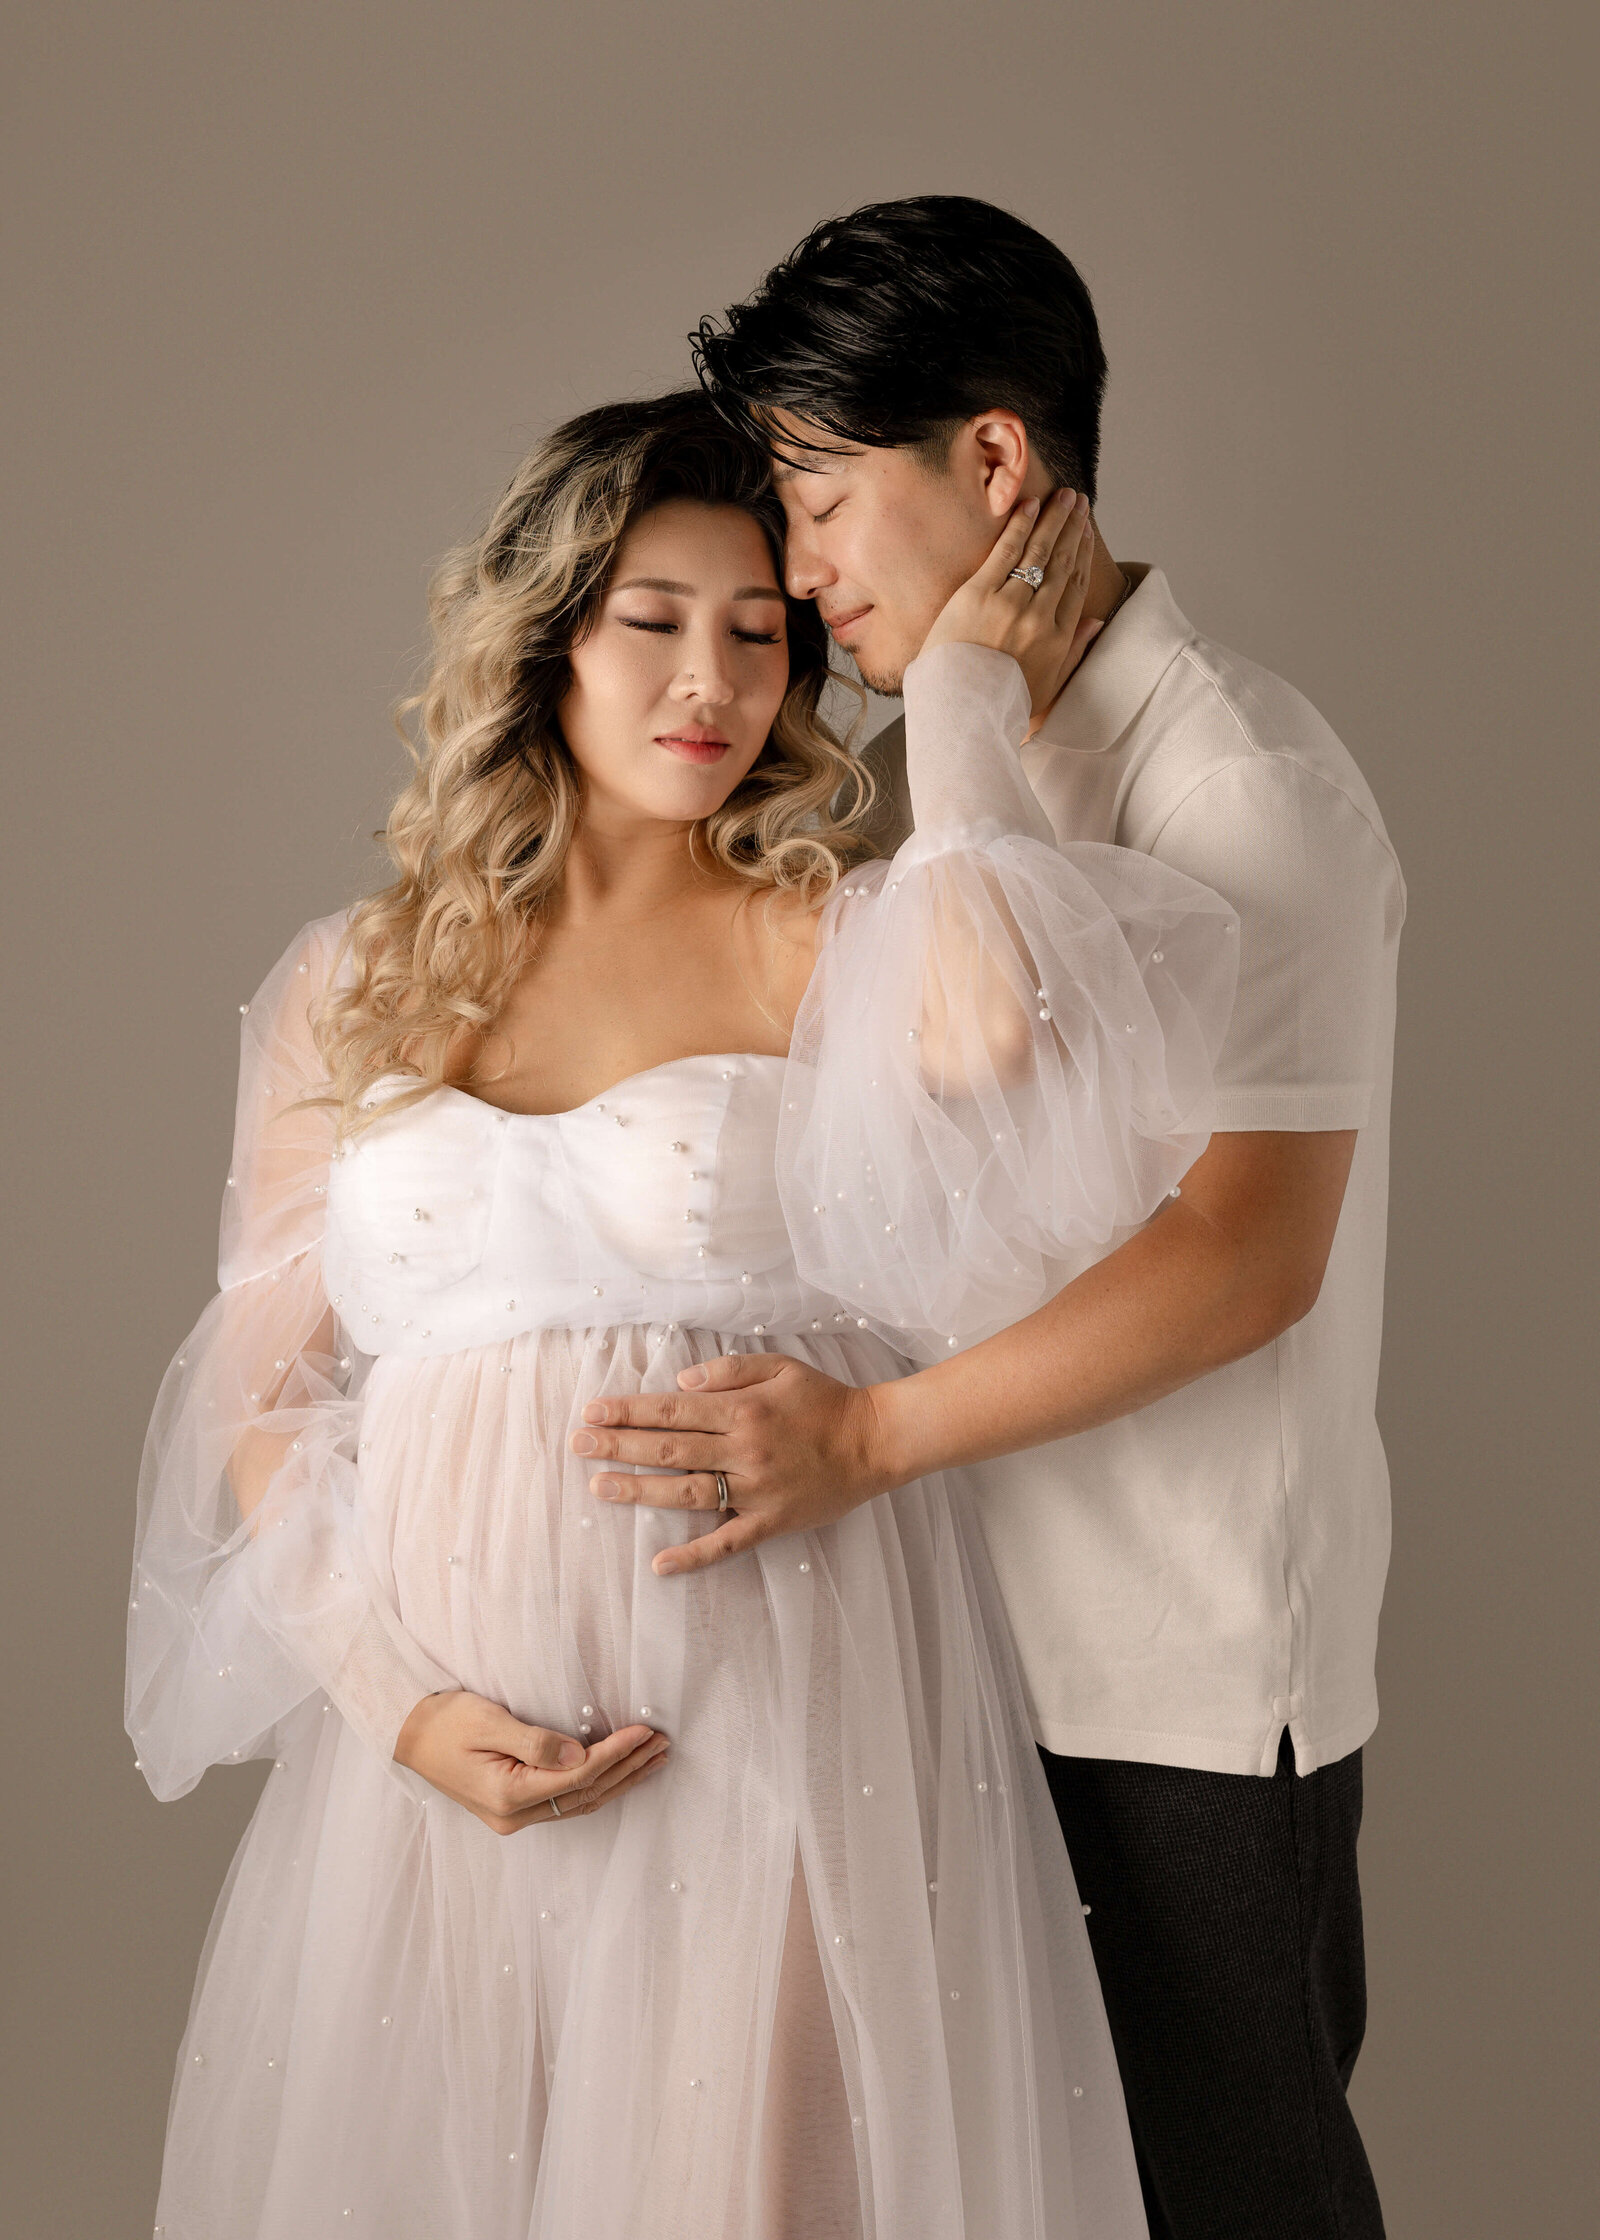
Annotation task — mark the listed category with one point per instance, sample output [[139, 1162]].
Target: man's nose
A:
[[805, 571]]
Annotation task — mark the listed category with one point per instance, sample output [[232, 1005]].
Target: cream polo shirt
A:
[[1188, 1580]]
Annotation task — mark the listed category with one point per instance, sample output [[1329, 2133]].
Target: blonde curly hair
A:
[[479, 836]]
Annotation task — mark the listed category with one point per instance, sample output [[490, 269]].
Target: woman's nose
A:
[[704, 675]]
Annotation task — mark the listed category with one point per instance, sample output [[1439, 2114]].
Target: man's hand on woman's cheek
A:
[[797, 1449]]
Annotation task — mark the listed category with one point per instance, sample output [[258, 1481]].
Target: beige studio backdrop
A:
[[291, 290]]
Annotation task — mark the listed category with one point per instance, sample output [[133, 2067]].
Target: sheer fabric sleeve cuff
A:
[[253, 1582], [1005, 1057]]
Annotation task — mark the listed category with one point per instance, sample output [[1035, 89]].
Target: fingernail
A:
[[583, 1444], [606, 1488], [696, 1375], [571, 1754], [595, 1412], [1032, 506], [663, 1567]]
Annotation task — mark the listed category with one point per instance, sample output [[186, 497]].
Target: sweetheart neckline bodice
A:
[[617, 1088]]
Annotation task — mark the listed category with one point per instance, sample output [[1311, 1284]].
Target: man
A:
[[1193, 1537]]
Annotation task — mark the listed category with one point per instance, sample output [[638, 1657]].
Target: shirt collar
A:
[[1117, 676]]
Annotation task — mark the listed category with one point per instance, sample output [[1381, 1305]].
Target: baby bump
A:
[[509, 1571]]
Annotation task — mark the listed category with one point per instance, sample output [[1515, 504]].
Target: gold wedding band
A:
[[722, 1491]]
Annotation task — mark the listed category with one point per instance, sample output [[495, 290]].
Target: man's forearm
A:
[[1218, 1273]]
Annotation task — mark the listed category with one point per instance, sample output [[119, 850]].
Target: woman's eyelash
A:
[[819, 518], [747, 637]]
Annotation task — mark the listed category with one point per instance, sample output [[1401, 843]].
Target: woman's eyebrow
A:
[[686, 590]]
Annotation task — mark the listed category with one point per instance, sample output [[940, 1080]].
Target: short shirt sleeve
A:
[[1320, 902]]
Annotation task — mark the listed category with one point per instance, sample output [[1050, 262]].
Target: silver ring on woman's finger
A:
[[1032, 577], [555, 1808], [722, 1490]]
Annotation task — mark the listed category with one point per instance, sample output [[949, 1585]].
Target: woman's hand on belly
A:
[[509, 1775]]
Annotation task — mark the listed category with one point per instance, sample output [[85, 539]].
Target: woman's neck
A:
[[627, 868]]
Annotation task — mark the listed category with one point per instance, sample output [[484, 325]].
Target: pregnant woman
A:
[[582, 1903]]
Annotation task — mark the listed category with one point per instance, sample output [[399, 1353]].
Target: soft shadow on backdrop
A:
[[293, 288]]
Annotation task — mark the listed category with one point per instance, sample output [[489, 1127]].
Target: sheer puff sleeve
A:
[[1003, 1061], [252, 1586]]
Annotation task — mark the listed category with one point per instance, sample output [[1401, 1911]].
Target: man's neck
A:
[[1108, 586]]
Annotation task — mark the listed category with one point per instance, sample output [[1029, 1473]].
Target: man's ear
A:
[[1003, 457]]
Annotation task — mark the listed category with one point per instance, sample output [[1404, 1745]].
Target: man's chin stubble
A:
[[887, 687]]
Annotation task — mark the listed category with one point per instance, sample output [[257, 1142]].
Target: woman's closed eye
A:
[[745, 637]]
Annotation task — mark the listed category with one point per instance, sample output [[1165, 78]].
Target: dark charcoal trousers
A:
[[1226, 1924]]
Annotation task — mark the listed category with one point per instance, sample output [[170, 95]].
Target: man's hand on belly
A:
[[798, 1449], [1229, 1263]]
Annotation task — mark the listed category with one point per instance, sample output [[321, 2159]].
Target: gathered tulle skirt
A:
[[824, 1977]]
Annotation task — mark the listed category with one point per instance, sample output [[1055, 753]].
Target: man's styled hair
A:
[[895, 324]]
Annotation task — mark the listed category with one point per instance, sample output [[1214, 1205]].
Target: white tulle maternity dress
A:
[[408, 2028]]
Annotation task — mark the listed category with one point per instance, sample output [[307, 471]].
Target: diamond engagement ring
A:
[[722, 1491], [1032, 577]]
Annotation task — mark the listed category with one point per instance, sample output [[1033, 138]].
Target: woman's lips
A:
[[693, 746]]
